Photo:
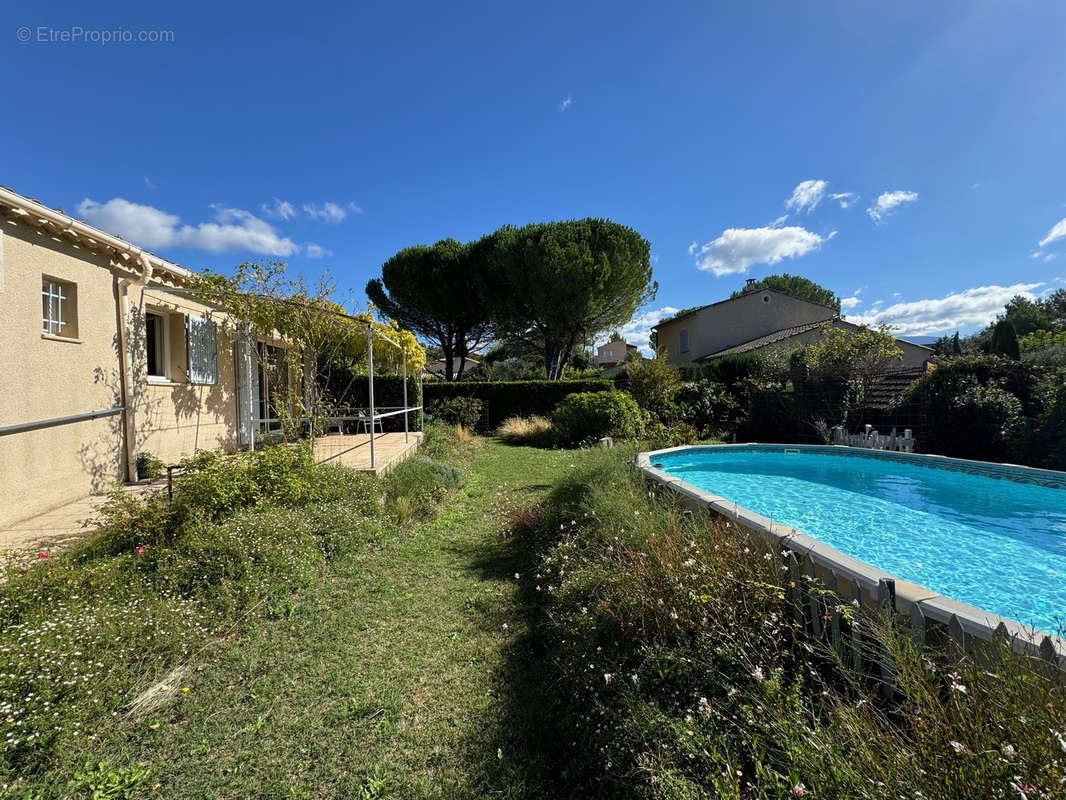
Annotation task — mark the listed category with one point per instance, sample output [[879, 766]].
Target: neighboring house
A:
[[756, 320], [612, 354], [436, 368], [104, 358]]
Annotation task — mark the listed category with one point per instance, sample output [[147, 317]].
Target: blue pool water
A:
[[992, 543]]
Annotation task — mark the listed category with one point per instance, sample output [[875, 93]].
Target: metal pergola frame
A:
[[347, 320]]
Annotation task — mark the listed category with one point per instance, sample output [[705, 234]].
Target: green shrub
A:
[[940, 396], [772, 417], [707, 407], [992, 415], [417, 486], [1045, 443], [503, 399], [465, 411], [149, 467], [584, 417], [653, 383]]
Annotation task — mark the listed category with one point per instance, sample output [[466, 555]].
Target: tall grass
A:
[[680, 673], [534, 431]]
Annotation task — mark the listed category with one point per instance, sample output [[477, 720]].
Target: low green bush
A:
[[465, 411], [653, 383], [503, 399], [673, 664], [149, 467], [415, 487], [584, 417]]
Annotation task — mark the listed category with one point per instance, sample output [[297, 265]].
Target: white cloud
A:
[[330, 212], [971, 308], [1058, 231], [847, 303], [148, 183], [279, 209], [692, 248], [316, 250], [846, 199], [887, 201], [807, 196], [146, 226], [736, 249], [566, 103], [638, 330]]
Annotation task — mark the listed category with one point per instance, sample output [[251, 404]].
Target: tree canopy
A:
[[1005, 339], [558, 284], [434, 290], [796, 286]]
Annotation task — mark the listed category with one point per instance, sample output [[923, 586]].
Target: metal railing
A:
[[23, 427]]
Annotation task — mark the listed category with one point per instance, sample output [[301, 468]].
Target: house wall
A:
[[735, 321], [175, 418], [45, 377]]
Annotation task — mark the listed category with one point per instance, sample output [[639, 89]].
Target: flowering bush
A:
[[674, 666]]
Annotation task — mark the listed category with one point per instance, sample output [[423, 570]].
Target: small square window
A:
[[157, 345], [684, 341], [59, 307]]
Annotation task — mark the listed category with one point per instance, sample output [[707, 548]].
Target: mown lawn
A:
[[398, 674]]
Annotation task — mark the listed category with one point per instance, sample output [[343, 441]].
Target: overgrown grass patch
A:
[[84, 632], [677, 669]]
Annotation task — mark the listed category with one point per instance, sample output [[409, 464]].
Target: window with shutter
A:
[[202, 348]]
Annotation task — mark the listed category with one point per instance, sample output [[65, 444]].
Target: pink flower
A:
[[139, 550], [42, 554]]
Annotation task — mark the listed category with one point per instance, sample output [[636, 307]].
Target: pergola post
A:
[[249, 356], [370, 356], [406, 413]]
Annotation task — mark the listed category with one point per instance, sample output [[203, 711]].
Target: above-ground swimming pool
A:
[[990, 537]]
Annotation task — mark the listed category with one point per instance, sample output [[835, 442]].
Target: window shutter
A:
[[202, 348]]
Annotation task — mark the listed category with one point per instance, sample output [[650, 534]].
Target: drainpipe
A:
[[126, 364]]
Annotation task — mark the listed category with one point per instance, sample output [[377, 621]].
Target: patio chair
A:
[[363, 422]]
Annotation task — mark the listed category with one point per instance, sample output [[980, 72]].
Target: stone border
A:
[[917, 601]]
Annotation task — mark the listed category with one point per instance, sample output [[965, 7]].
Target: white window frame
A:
[[163, 343], [60, 320]]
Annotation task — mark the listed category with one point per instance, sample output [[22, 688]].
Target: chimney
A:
[[749, 284]]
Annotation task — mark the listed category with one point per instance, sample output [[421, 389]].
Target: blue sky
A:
[[909, 155]]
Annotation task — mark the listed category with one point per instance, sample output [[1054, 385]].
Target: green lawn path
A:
[[393, 677]]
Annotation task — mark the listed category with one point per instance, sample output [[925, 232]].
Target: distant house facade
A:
[[105, 357], [437, 368], [757, 320], [612, 354]]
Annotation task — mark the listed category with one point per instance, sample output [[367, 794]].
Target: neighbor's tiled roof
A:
[[770, 338]]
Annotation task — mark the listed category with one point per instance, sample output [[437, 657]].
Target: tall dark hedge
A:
[[503, 399], [977, 407]]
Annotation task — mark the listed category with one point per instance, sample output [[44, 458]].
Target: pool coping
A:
[[909, 596]]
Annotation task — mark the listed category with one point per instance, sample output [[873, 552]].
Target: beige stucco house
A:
[[103, 357], [611, 354], [753, 321]]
